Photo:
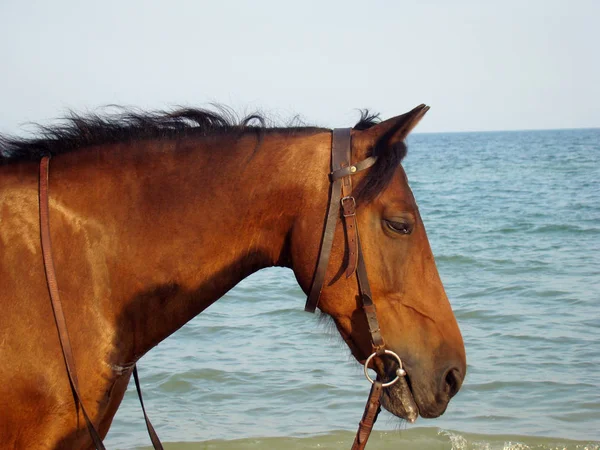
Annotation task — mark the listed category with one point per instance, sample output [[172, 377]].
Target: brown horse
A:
[[156, 216]]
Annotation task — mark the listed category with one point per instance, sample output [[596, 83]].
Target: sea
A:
[[513, 219]]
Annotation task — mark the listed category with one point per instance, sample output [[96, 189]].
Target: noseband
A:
[[341, 197]]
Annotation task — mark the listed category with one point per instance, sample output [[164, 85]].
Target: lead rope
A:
[[59, 317]]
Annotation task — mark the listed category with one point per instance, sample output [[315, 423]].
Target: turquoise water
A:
[[514, 221]]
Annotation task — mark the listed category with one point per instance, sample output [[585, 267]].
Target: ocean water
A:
[[514, 221]]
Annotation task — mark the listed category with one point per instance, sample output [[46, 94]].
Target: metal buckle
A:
[[400, 372], [349, 197]]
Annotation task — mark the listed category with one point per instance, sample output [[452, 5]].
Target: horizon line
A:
[[506, 130]]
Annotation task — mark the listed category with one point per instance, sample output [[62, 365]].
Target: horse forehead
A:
[[398, 193]]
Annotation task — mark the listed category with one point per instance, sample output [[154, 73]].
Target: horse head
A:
[[415, 316]]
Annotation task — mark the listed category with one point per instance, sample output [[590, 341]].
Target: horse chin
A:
[[399, 400]]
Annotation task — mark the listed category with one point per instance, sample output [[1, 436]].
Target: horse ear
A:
[[396, 129]]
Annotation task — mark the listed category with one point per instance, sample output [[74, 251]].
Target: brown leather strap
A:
[[341, 155], [353, 169], [325, 252], [372, 409], [367, 303], [348, 202], [59, 317], [340, 195], [153, 436], [351, 227], [339, 145]]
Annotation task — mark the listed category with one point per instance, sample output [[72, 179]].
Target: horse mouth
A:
[[398, 398], [400, 401]]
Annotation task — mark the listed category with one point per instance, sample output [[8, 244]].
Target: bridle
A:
[[340, 198]]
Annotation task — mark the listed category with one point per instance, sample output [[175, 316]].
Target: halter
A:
[[342, 170], [341, 197]]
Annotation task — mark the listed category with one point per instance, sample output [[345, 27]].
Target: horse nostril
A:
[[453, 381]]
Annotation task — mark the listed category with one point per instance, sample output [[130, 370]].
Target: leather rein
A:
[[341, 204], [61, 323]]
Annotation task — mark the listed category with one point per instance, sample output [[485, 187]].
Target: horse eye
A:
[[399, 227]]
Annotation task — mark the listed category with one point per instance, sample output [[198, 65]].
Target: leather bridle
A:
[[341, 199]]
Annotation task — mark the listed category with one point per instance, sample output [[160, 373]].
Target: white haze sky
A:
[[481, 65]]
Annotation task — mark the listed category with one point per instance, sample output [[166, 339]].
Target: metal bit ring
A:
[[400, 372]]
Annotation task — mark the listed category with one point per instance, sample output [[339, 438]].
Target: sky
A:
[[481, 65]]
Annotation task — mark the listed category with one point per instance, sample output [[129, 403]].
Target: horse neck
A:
[[187, 222]]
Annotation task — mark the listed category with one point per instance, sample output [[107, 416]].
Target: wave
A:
[[426, 438]]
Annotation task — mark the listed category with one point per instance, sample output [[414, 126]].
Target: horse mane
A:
[[76, 131]]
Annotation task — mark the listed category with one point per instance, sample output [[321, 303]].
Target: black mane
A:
[[77, 131]]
